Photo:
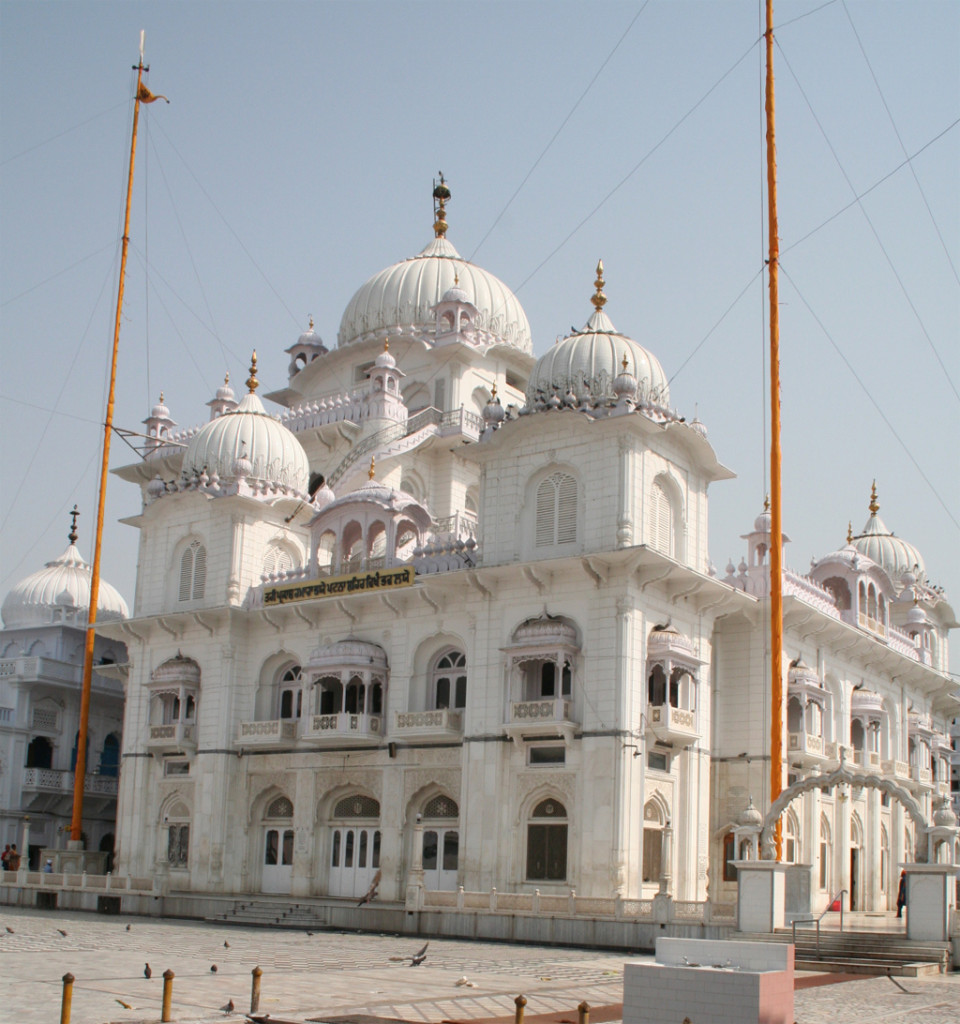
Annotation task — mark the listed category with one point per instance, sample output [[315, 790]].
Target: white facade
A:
[[484, 645], [41, 667]]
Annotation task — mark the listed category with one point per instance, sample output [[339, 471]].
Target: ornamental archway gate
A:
[[761, 896]]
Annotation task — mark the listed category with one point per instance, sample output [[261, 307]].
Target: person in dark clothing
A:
[[902, 894]]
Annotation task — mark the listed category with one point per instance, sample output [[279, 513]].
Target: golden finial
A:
[[161, 398], [441, 193], [311, 323], [73, 526], [386, 344], [874, 506], [456, 279], [624, 363], [226, 378], [850, 531], [372, 472], [252, 382], [766, 503], [493, 393], [598, 299]]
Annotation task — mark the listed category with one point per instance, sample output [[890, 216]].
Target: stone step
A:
[[869, 967]]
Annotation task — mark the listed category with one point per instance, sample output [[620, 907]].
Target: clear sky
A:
[[296, 159]]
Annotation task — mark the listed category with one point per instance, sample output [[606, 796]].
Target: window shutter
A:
[[186, 574], [546, 505], [199, 571], [567, 510]]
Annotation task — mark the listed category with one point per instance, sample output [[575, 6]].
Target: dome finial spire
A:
[[598, 299], [766, 502], [372, 472], [252, 382], [441, 193], [850, 531], [72, 535], [874, 504]]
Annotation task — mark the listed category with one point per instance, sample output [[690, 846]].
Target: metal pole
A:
[[66, 1003], [257, 973], [520, 1003], [167, 995], [776, 496], [583, 1013], [81, 765]]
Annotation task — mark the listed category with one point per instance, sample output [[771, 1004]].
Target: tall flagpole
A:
[[776, 510], [80, 769]]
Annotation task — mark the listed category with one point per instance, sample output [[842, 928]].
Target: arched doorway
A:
[[856, 863], [277, 834], [354, 845], [110, 755], [441, 843], [39, 753]]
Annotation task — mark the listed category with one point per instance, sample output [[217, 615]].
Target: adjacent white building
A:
[[41, 665], [450, 620]]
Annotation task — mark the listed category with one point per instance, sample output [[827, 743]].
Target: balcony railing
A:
[[344, 725], [874, 625], [866, 758], [172, 736], [676, 726], [898, 769], [437, 724], [921, 775], [548, 716], [808, 748], [54, 780], [278, 732]]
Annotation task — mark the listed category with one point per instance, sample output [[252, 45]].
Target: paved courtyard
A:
[[330, 975]]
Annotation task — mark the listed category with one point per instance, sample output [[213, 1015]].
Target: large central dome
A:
[[403, 296]]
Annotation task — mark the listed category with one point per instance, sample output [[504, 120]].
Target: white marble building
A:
[[450, 620], [41, 667]]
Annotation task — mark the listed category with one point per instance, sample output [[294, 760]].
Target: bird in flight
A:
[[417, 959], [371, 893]]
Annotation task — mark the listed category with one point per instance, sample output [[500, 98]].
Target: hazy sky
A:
[[296, 159]]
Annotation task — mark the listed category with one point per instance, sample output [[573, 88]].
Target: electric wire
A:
[[872, 400], [230, 228], [636, 167], [556, 134], [59, 273], [193, 262], [806, 14], [49, 409], [60, 135], [870, 224], [903, 148]]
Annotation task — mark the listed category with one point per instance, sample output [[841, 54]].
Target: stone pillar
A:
[[25, 844], [414, 894], [666, 861], [873, 893], [841, 844], [761, 895]]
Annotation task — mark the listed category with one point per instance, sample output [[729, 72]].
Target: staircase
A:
[[268, 914], [862, 952]]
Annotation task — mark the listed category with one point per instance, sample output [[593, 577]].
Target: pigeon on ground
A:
[[126, 1006], [213, 968], [9, 929], [228, 1008], [226, 945], [371, 893], [62, 932], [128, 927], [147, 973], [310, 934]]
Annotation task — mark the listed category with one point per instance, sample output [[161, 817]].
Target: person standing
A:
[[902, 894], [5, 857], [13, 861]]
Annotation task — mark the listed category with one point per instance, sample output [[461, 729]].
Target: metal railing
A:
[[816, 920]]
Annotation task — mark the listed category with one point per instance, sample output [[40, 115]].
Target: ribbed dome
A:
[[589, 361], [60, 592], [403, 296], [249, 433], [895, 555]]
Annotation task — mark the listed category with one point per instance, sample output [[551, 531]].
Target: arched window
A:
[[291, 693], [449, 683], [39, 753], [441, 843], [547, 842], [652, 841], [657, 687], [826, 852], [790, 835], [110, 755], [662, 531], [277, 560], [193, 572], [556, 511], [177, 824]]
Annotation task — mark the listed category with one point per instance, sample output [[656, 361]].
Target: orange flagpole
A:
[[776, 509], [80, 769]]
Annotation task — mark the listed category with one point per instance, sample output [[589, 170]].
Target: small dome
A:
[[455, 294], [385, 361], [60, 592], [698, 427], [493, 412], [892, 554], [404, 295], [249, 434], [545, 630], [750, 816], [588, 361], [310, 337], [225, 392], [160, 411], [944, 817], [800, 673], [917, 617]]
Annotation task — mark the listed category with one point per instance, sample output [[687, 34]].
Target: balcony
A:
[[896, 769], [50, 791], [807, 749], [278, 733], [173, 738], [344, 727], [433, 726], [867, 759], [675, 726], [921, 776], [549, 716]]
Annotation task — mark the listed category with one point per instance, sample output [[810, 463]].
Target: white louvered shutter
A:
[[546, 512], [199, 571], [566, 510], [186, 574]]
